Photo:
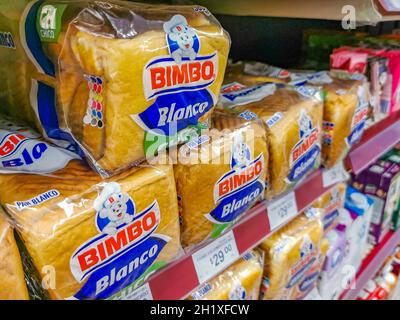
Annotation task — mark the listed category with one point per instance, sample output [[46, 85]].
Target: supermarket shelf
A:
[[371, 264], [180, 278], [376, 140], [366, 11]]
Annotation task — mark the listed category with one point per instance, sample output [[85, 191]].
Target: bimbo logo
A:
[[183, 70], [231, 87], [239, 188], [308, 137], [359, 116], [308, 282], [10, 143], [121, 229], [307, 258], [244, 172], [22, 151], [358, 122]]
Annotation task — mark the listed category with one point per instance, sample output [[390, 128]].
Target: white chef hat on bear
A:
[[107, 196], [174, 24], [111, 199]]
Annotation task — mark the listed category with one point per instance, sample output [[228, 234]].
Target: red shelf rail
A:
[[178, 279], [376, 140], [371, 264]]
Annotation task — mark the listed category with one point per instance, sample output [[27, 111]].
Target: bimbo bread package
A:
[[345, 101], [12, 282], [291, 254], [15, 69], [119, 80], [99, 238], [293, 119], [229, 165], [241, 281], [346, 107]]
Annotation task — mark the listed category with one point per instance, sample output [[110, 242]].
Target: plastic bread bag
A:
[[329, 204], [346, 101], [15, 69], [252, 72], [310, 279], [12, 281], [346, 108], [122, 78], [229, 166], [293, 120], [289, 255], [240, 281], [91, 238]]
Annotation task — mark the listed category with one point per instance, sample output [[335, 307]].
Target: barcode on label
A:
[[282, 210], [215, 257]]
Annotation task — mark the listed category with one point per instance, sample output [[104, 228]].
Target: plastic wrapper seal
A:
[[117, 80], [241, 281], [290, 253], [229, 165], [12, 281], [293, 120], [99, 239]]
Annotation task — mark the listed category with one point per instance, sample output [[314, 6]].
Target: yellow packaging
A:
[[293, 120], [345, 113], [228, 165], [16, 70], [12, 281], [120, 78], [241, 281], [345, 101], [90, 231], [346, 107], [290, 253], [310, 279], [89, 238]]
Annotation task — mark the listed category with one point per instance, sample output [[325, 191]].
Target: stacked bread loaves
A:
[[229, 165], [120, 79]]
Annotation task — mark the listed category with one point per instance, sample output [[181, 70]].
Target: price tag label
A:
[[141, 293], [215, 257], [282, 210], [333, 175]]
